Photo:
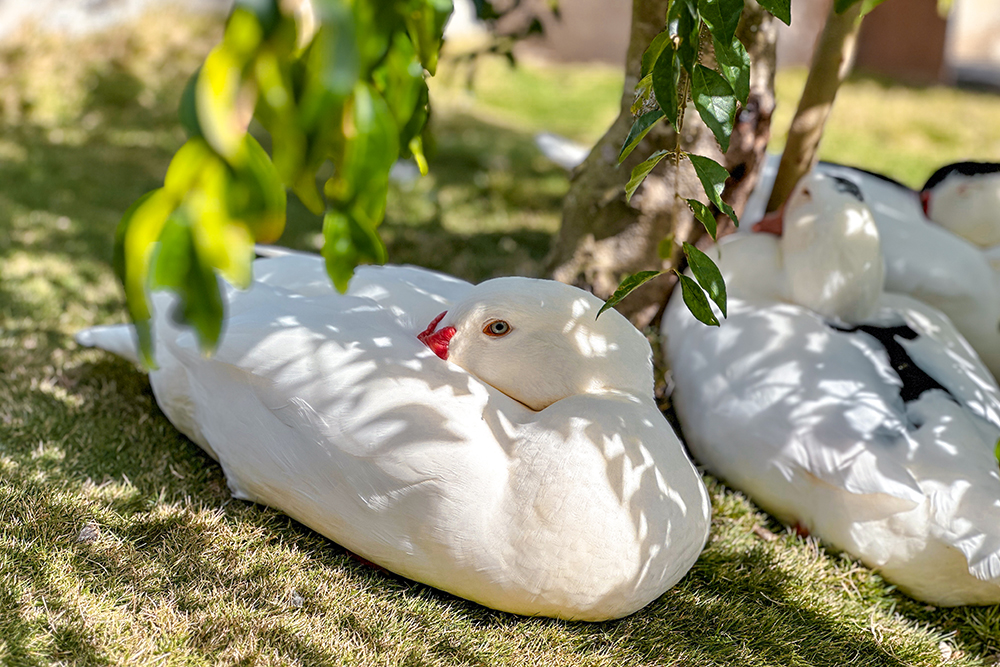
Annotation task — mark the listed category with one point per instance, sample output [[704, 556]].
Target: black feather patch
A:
[[915, 380], [963, 168], [847, 187], [881, 177]]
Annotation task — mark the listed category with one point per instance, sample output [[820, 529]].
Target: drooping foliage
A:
[[329, 80], [674, 76]]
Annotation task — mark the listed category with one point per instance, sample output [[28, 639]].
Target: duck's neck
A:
[[834, 263]]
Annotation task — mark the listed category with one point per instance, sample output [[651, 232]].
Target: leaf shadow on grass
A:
[[162, 496], [734, 607]]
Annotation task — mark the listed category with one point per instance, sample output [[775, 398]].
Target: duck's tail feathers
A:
[[118, 339]]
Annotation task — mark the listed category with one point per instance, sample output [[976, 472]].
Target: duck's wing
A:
[[790, 409], [776, 395], [938, 348], [956, 431], [325, 408], [412, 295]]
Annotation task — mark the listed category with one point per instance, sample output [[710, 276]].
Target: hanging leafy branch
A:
[[674, 76], [335, 80]]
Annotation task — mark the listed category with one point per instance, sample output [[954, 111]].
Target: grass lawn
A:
[[119, 543]]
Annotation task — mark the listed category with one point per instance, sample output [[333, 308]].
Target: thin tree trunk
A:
[[831, 63], [603, 238]]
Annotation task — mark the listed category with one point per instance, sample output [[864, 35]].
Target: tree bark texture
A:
[[831, 63], [603, 238]]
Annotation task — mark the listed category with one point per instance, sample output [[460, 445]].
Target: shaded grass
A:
[[119, 543]]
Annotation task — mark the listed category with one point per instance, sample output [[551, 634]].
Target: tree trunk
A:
[[603, 238], [831, 63]]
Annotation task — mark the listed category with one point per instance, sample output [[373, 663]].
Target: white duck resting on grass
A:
[[519, 462], [922, 259], [860, 416]]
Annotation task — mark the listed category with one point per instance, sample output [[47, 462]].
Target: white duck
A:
[[861, 416], [922, 259], [964, 198], [528, 468]]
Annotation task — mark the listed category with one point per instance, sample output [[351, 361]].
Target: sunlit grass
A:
[[901, 131], [119, 542]]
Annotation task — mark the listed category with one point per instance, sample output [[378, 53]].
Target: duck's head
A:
[[830, 248], [964, 198], [539, 341]]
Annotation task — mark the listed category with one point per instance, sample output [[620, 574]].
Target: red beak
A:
[[437, 340], [772, 223], [925, 201]]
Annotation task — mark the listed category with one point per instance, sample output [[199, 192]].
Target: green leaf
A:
[[996, 450], [370, 148], [223, 99], [207, 247], [411, 134], [665, 79], [400, 78], [268, 12], [643, 92], [118, 253], [734, 64], [187, 112], [641, 170], [135, 237], [694, 299], [172, 257], [713, 178], [708, 275], [653, 51], [425, 24], [640, 128], [278, 112], [722, 17], [332, 63], [177, 265], [683, 25], [257, 194], [716, 104], [704, 215], [781, 9], [841, 6], [348, 243], [627, 286]]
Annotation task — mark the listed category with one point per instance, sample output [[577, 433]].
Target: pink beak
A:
[[437, 340], [925, 201], [772, 223]]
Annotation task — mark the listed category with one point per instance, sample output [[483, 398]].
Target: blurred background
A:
[[89, 91]]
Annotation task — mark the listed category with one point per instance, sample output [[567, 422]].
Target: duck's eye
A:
[[497, 328]]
